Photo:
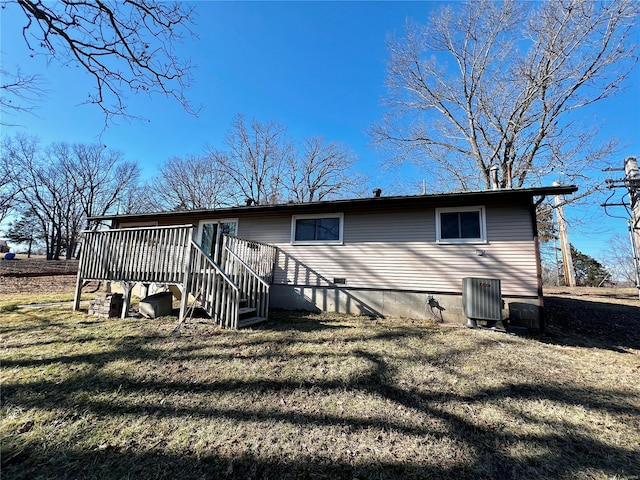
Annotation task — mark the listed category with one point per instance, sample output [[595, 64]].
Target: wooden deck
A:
[[234, 293]]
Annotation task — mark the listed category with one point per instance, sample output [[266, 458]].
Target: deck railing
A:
[[169, 255], [259, 257], [147, 255]]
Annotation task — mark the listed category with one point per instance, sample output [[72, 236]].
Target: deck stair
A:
[[234, 292], [247, 316]]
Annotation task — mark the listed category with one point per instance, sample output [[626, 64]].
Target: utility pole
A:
[[565, 245], [632, 181]]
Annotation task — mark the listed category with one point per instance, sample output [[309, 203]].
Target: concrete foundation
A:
[[527, 315], [446, 307]]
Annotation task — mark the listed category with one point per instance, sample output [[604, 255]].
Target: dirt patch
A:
[[31, 275], [21, 266], [34, 284]]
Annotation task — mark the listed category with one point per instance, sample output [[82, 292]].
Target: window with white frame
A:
[[461, 225], [311, 229]]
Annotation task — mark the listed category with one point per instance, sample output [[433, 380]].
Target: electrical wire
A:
[[605, 205]]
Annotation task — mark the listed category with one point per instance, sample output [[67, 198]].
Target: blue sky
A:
[[316, 67]]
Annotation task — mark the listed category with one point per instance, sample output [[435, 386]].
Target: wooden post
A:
[[187, 278], [126, 302], [78, 294], [541, 319], [79, 281], [565, 245]]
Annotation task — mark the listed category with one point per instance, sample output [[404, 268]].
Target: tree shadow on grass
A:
[[570, 452], [567, 451], [585, 323], [113, 464]]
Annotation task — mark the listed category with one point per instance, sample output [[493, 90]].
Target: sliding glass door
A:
[[210, 232]]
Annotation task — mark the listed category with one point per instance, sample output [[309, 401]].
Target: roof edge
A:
[[529, 191]]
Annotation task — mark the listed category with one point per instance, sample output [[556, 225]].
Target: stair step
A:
[[245, 322], [244, 310]]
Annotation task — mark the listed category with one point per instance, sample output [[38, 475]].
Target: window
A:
[[137, 224], [460, 225], [316, 229]]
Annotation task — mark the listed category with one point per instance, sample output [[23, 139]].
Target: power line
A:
[[631, 183]]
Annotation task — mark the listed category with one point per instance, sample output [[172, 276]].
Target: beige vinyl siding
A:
[[506, 224], [275, 230], [397, 250]]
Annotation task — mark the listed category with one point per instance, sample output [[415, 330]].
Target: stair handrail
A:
[[215, 265], [222, 305], [247, 267], [257, 295]]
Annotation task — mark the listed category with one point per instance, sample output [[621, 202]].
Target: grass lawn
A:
[[308, 396]]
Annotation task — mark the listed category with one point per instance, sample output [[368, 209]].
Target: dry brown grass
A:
[[312, 396]]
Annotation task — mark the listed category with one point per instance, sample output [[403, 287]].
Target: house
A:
[[391, 256]]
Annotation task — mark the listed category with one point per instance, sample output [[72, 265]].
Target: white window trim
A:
[[483, 225], [201, 224], [340, 216], [217, 221]]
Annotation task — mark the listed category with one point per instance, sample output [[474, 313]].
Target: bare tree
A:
[[321, 171], [192, 182], [123, 45], [99, 177], [62, 185], [41, 189], [7, 189], [19, 93], [145, 197], [619, 259], [501, 83], [255, 160]]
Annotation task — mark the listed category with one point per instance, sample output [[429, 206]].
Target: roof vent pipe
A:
[[377, 192], [493, 171]]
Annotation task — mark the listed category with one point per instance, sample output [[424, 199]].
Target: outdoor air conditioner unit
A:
[[481, 299]]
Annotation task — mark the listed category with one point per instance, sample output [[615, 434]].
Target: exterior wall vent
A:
[[481, 298]]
